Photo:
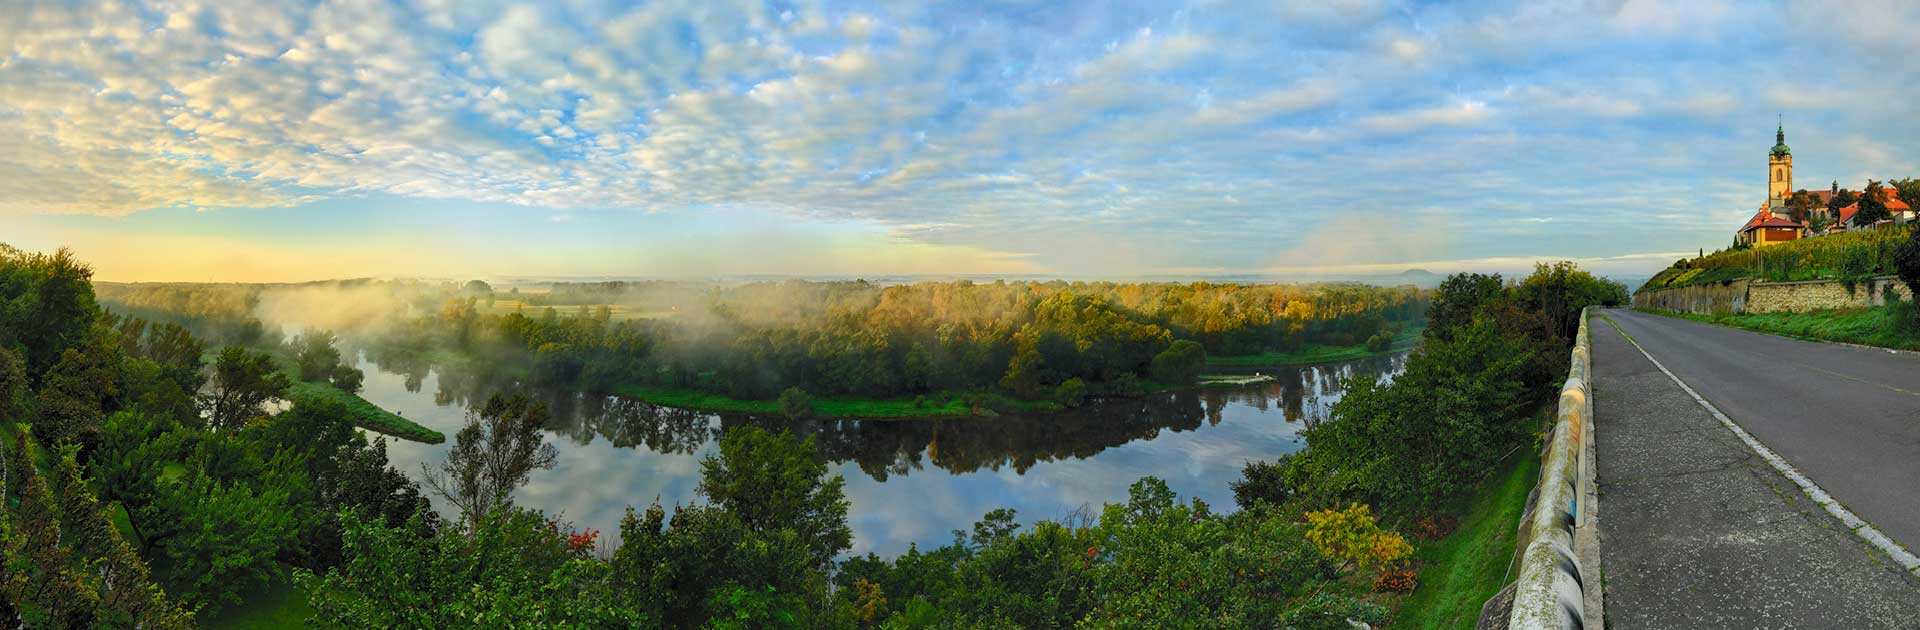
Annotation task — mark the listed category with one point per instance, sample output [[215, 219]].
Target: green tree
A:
[[1181, 362], [315, 354], [48, 306], [795, 403], [775, 481], [494, 454], [1458, 299], [79, 390], [243, 383], [348, 379], [1071, 392], [13, 385], [1907, 191], [1873, 205]]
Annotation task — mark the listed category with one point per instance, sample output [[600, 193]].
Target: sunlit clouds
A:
[[1070, 138]]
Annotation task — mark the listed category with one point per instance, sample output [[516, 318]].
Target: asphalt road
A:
[[1697, 531], [1846, 417]]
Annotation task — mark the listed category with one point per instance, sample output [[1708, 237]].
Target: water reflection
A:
[[910, 481]]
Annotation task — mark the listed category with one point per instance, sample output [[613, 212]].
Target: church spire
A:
[[1780, 139]]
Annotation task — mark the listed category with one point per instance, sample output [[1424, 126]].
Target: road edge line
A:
[[1860, 527]]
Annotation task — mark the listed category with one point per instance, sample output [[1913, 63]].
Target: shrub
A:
[[1262, 482], [1396, 580], [1180, 362], [1380, 341], [1071, 393], [348, 379], [795, 403], [1351, 536]]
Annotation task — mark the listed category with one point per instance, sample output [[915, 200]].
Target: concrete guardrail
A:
[[1557, 564]]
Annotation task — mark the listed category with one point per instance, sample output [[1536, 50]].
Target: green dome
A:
[[1781, 149], [1780, 142]]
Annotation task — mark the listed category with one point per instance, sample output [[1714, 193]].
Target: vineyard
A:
[[1854, 256]]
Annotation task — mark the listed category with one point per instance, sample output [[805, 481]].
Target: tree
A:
[[775, 481], [1180, 362], [348, 379], [477, 287], [316, 355], [1262, 482], [13, 385], [75, 395], [1458, 299], [1350, 536], [1907, 191], [795, 403], [1071, 392], [494, 454], [243, 383], [1906, 262], [1800, 205], [1872, 205], [49, 306]]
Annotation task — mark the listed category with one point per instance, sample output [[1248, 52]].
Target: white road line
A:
[[1860, 527]]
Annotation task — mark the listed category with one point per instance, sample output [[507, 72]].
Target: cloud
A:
[[1074, 137]]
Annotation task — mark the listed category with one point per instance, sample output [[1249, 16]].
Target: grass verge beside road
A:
[[1462, 570], [1879, 326]]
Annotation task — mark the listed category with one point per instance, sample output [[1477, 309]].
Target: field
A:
[[1859, 255], [1315, 353]]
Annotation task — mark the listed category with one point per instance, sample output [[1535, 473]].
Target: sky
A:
[[277, 141]]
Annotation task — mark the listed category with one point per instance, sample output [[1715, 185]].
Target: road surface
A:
[[1699, 531]]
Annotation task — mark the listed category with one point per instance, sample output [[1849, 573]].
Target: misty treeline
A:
[[859, 339]]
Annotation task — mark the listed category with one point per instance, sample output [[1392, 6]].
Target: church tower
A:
[[1779, 167]]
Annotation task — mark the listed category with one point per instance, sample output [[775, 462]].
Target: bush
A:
[[1071, 393], [1396, 580], [1180, 362], [1380, 341], [348, 379], [1906, 263], [1262, 482], [795, 403]]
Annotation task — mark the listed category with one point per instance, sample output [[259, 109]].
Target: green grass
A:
[[1316, 353], [1461, 571], [1874, 326], [282, 606], [365, 415], [939, 405], [361, 413]]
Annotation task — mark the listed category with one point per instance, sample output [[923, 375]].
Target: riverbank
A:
[[364, 414], [940, 405], [1316, 353], [1880, 326]]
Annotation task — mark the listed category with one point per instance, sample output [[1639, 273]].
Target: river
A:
[[909, 481]]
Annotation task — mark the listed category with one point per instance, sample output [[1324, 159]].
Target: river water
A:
[[909, 481]]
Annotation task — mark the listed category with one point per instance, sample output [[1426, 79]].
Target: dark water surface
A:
[[910, 481]]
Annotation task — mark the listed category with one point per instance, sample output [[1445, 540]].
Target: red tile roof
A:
[[1894, 204], [1766, 219]]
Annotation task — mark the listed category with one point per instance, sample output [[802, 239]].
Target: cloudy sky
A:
[[287, 140]]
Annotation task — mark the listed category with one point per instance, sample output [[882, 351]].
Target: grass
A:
[[940, 405], [361, 413], [281, 606], [1876, 326], [1316, 353], [1462, 570]]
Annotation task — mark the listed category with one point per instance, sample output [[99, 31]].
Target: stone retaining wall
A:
[[1742, 296]]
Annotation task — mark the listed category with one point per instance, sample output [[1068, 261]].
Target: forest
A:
[[930, 348], [146, 488]]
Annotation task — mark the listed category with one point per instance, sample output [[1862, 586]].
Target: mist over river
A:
[[909, 481]]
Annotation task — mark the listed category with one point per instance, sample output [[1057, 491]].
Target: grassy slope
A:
[[282, 606], [1315, 353], [1868, 326], [1461, 571]]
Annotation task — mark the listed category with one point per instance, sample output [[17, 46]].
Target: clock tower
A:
[[1779, 168]]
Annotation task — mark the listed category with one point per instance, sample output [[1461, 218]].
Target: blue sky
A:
[[284, 141]]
